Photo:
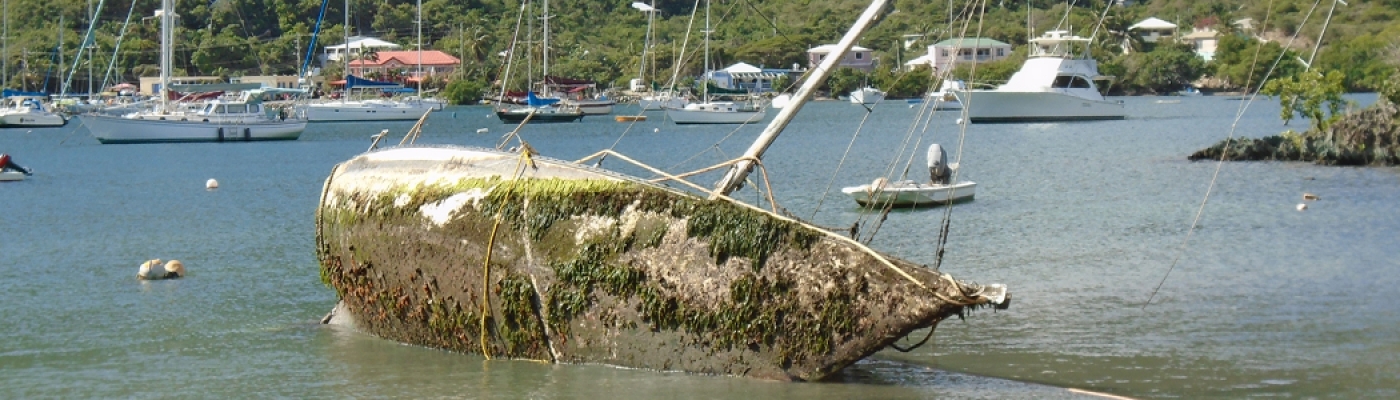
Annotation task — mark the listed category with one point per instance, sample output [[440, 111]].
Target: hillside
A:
[[600, 40]]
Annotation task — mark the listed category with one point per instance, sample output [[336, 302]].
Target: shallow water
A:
[[1082, 220]]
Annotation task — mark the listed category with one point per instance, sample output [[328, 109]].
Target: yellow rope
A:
[[486, 285], [525, 160]]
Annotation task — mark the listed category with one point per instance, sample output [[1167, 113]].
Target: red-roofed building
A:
[[406, 62]]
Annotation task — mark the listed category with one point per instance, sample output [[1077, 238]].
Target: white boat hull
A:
[[11, 176], [661, 102], [686, 116], [110, 130], [29, 119], [910, 194], [367, 111], [995, 106], [944, 101], [592, 107], [867, 96]]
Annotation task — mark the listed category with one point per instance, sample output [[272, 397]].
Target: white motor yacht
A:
[[1055, 84], [26, 111]]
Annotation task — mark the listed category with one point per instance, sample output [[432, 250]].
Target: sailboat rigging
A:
[[365, 109], [219, 120], [714, 112], [512, 254], [539, 109]]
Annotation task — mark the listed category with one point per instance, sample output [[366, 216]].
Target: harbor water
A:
[[1082, 220]]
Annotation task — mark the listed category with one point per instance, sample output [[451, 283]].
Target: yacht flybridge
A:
[[1056, 83]]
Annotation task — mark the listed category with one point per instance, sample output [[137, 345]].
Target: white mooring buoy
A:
[[211, 184], [1302, 206]]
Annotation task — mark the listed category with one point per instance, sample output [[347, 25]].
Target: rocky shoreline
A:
[[1367, 137]]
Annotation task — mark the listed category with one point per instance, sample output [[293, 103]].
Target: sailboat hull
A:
[[715, 113], [112, 130], [367, 111], [542, 116], [572, 264]]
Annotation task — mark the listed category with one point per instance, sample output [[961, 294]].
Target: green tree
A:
[[463, 92], [845, 80], [1304, 95], [1165, 69], [1244, 62]]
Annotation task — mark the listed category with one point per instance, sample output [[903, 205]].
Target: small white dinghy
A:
[[9, 171], [908, 193]]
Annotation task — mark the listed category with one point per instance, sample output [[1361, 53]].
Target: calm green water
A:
[[1082, 220]]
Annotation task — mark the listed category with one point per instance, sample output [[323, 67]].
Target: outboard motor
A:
[[6, 164], [938, 171]]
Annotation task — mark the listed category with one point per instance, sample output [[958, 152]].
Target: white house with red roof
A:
[[434, 62]]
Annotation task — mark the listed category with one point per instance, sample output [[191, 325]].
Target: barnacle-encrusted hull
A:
[[455, 248]]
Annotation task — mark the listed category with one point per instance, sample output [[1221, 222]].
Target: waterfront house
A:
[[1153, 29], [859, 57], [949, 53], [435, 63], [1203, 40], [356, 45]]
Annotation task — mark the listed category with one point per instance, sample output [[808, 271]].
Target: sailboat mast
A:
[[646, 44], [544, 55], [345, 55], [735, 177], [167, 46], [5, 59], [420, 47], [705, 74]]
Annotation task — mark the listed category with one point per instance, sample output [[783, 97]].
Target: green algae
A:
[[760, 312]]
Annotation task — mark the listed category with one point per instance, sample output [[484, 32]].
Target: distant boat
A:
[[9, 171], [539, 110], [716, 112], [1189, 91], [867, 95], [368, 109], [26, 111], [944, 98], [1054, 84], [244, 119], [908, 193]]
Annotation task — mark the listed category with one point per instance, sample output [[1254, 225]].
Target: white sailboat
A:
[[348, 110], [715, 112], [653, 100], [1055, 84], [243, 119]]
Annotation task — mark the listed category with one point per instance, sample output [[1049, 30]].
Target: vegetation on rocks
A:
[[1366, 137]]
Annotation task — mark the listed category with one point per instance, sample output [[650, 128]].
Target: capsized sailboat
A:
[[515, 255]]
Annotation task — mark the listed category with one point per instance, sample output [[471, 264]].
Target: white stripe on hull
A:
[[993, 106], [353, 111], [123, 130], [714, 117]]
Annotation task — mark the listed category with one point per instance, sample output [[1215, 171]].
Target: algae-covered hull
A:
[[466, 250]]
